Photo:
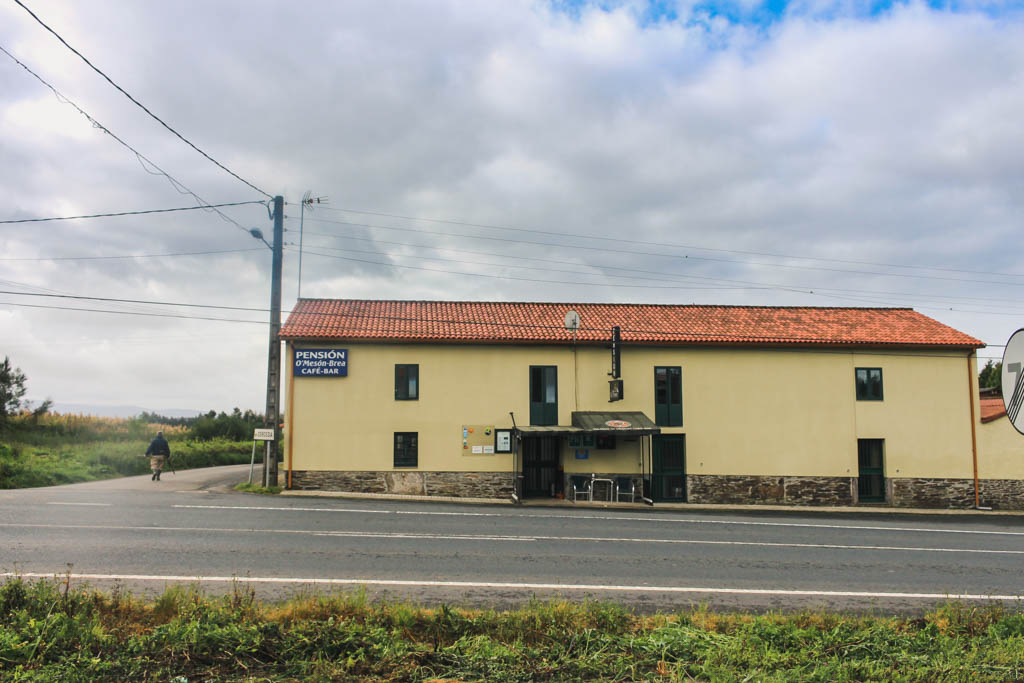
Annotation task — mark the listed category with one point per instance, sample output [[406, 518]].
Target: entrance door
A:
[[540, 467], [871, 474], [668, 467]]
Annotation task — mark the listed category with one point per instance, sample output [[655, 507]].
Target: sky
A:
[[752, 153]]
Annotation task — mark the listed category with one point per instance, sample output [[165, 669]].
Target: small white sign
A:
[[263, 435], [477, 450], [488, 450]]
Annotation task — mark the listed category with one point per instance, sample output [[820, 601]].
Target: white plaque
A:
[[263, 435]]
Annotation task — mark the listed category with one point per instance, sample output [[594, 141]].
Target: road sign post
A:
[[266, 435]]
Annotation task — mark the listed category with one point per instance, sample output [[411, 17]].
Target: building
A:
[[716, 404], [1000, 449]]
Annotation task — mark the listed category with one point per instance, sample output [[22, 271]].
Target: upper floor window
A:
[[406, 449], [869, 384], [668, 396], [543, 395], [407, 382]]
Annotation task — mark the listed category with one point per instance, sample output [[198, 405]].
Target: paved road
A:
[[145, 535]]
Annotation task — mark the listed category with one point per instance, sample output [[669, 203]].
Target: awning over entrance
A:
[[598, 422]]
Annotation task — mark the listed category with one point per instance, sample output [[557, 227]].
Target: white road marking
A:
[[510, 586], [93, 504], [602, 539], [653, 518], [513, 538]]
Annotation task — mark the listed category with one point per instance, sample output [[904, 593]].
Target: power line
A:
[[685, 257], [504, 265], [668, 244], [80, 297], [727, 337], [751, 284], [510, 277], [175, 183], [622, 286], [136, 313], [128, 213], [133, 256], [137, 103]]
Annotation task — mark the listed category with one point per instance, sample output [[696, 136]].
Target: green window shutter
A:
[[543, 395], [675, 415]]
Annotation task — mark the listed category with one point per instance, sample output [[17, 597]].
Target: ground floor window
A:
[[871, 471], [406, 449]]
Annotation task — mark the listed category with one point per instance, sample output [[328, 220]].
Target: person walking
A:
[[159, 451]]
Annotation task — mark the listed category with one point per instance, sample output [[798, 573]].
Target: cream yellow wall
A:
[[1000, 451], [745, 411], [347, 423], [925, 416]]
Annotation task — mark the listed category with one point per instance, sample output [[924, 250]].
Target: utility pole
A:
[[273, 416]]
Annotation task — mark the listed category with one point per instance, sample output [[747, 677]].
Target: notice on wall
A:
[[321, 363], [475, 438]]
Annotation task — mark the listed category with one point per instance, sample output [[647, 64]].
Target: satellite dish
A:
[[572, 321], [1013, 380]]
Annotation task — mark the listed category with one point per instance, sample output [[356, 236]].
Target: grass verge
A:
[[63, 449], [256, 488], [50, 630]]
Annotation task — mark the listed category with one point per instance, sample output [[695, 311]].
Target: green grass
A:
[[24, 466], [62, 449], [256, 488], [50, 630]]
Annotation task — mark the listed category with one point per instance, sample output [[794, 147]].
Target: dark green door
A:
[[871, 475], [668, 467]]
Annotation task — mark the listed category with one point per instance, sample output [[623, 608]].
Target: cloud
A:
[[888, 136]]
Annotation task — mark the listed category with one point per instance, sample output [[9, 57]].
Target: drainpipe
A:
[[974, 436], [291, 411]]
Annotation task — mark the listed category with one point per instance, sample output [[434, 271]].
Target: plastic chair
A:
[[625, 486], [580, 487]]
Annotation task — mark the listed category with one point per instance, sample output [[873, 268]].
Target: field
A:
[[62, 449], [50, 630]]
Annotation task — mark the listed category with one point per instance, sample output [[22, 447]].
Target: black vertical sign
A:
[[616, 353]]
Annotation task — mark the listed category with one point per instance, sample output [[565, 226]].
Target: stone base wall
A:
[[414, 483], [1002, 494], [746, 490], [999, 494]]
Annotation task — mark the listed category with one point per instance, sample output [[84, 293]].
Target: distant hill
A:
[[118, 410]]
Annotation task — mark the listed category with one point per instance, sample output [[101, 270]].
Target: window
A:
[[543, 395], [869, 384], [407, 382], [668, 396], [406, 449]]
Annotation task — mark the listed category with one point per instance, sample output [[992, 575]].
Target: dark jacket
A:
[[158, 446]]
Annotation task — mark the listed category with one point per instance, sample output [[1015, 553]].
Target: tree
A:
[[12, 390], [991, 376]]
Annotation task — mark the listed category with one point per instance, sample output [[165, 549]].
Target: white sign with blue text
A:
[[321, 362]]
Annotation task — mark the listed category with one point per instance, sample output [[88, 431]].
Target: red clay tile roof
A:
[[519, 322], [992, 409]]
